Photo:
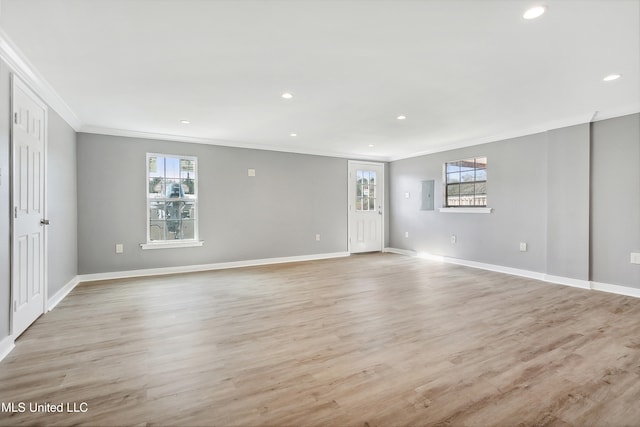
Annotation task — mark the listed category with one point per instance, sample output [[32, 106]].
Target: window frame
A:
[[445, 183], [177, 243]]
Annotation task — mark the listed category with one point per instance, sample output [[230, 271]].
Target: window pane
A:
[[174, 210], [172, 167], [372, 204], [372, 177], [453, 167], [188, 229], [174, 189], [467, 176], [188, 210], [467, 189], [359, 176], [359, 189], [453, 190], [481, 200], [187, 168], [481, 162], [453, 201], [156, 187], [156, 166], [481, 188], [157, 230], [467, 165], [453, 177], [174, 229], [188, 187], [157, 210], [359, 204], [481, 175]]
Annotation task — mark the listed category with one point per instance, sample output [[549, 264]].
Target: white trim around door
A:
[[365, 206]]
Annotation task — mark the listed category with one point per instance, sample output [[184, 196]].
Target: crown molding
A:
[[223, 143], [21, 66], [517, 133]]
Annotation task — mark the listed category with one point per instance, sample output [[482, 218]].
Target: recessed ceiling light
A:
[[401, 117], [185, 122], [293, 134], [612, 77], [534, 12], [371, 145], [287, 95]]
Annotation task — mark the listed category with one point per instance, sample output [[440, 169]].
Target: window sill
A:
[[170, 245], [467, 210]]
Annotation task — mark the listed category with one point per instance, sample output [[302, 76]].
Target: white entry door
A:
[[28, 278], [366, 204]]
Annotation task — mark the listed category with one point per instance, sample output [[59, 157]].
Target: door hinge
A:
[[15, 118], [15, 306], [15, 212]]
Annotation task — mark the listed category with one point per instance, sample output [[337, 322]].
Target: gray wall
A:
[[615, 200], [277, 213], [572, 194], [516, 190], [62, 207], [568, 202]]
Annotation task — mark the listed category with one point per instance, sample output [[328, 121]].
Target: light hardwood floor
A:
[[367, 340]]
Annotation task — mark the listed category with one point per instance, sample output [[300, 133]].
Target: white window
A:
[[172, 200], [466, 183], [366, 193]]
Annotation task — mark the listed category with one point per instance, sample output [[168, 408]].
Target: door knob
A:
[[44, 222]]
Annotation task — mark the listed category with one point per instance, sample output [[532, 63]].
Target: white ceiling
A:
[[463, 72]]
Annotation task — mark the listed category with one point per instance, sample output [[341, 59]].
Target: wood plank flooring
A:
[[368, 340]]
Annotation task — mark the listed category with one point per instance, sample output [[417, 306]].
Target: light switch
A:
[[119, 248], [407, 195], [635, 257], [251, 172], [523, 247]]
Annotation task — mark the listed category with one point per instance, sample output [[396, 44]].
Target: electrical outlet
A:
[[119, 248], [251, 172], [406, 234], [407, 195], [523, 247], [635, 257], [453, 239], [317, 237]]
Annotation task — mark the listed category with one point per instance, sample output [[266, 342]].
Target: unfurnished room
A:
[[319, 213]]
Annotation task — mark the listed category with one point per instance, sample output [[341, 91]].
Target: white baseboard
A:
[[497, 268], [59, 296], [567, 281], [400, 251], [6, 345], [205, 267], [616, 289]]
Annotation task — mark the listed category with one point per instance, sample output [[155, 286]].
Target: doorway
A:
[[28, 231], [366, 206]]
